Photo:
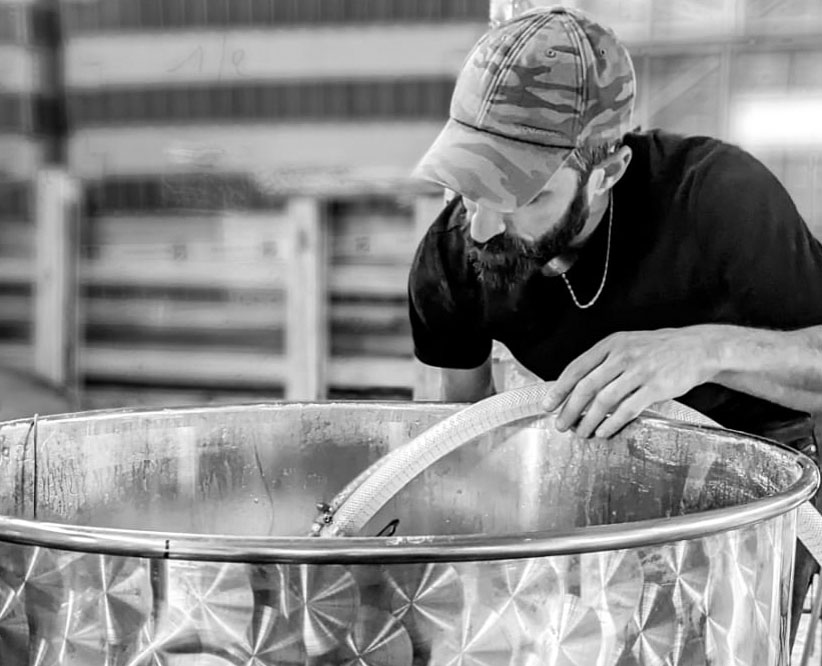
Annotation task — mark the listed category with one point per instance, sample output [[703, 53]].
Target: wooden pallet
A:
[[303, 302]]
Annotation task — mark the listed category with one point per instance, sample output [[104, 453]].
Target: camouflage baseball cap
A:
[[531, 90]]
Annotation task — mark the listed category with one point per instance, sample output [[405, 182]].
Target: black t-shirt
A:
[[702, 233]]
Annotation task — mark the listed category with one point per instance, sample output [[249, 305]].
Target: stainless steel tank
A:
[[176, 537]]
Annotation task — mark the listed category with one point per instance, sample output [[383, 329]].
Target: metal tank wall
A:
[[175, 537]]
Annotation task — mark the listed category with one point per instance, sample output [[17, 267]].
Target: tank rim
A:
[[408, 549]]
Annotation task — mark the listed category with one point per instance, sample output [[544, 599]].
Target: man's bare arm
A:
[[467, 385], [784, 367], [627, 372]]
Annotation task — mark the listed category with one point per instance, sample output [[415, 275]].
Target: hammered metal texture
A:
[[72, 608], [376, 639], [425, 597], [14, 626], [721, 599], [716, 598], [209, 606], [478, 638], [323, 602]]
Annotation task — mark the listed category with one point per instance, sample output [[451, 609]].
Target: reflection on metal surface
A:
[[478, 638], [36, 571], [268, 602], [651, 632], [376, 639], [209, 606], [206, 471], [611, 583], [148, 651], [760, 575], [323, 601], [574, 634], [708, 598], [692, 653], [521, 591], [426, 597], [118, 597], [78, 637], [204, 659], [720, 602], [272, 640], [14, 627], [685, 566]]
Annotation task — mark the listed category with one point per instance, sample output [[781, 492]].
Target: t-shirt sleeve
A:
[[767, 259], [445, 322]]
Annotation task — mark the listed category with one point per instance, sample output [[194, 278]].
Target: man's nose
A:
[[486, 224]]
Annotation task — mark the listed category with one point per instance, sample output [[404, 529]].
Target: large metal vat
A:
[[176, 537]]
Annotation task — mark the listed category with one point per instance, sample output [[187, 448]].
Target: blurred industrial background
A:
[[207, 200]]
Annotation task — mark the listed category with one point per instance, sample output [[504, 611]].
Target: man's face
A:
[[507, 248]]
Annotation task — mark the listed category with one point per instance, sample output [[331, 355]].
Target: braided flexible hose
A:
[[361, 499]]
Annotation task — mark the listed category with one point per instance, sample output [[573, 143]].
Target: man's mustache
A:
[[500, 245]]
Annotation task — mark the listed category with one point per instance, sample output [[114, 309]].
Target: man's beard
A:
[[506, 260]]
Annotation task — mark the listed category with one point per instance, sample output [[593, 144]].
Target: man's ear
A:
[[611, 170]]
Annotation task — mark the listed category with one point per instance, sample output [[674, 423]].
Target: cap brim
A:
[[503, 174]]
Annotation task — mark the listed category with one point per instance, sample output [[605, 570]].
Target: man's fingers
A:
[[588, 392], [573, 373], [608, 400], [627, 411]]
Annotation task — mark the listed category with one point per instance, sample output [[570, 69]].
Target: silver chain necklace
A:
[[587, 305]]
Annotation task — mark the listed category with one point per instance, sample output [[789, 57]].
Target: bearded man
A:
[[630, 267]]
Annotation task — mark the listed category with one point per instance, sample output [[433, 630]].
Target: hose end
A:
[[324, 518]]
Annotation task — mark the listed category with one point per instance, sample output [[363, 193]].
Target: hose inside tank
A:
[[361, 499]]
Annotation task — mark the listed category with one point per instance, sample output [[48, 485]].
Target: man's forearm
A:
[[620, 376], [463, 392], [467, 385], [784, 367]]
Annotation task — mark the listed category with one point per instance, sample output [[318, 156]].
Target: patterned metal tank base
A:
[[706, 601]]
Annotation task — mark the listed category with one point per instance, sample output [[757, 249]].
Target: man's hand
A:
[[627, 372]]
